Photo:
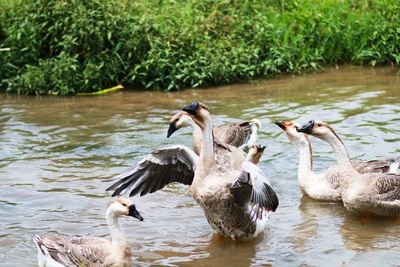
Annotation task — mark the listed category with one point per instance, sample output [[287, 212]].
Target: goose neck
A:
[[305, 159], [206, 159], [196, 138], [119, 240], [339, 148]]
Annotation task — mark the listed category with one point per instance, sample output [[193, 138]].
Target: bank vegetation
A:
[[75, 46]]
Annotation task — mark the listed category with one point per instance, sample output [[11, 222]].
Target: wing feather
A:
[[74, 251], [390, 166], [252, 185], [387, 187], [235, 133], [156, 170]]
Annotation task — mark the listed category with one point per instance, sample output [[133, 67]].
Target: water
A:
[[55, 152]]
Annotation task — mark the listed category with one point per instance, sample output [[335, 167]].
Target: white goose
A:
[[239, 134], [371, 193], [91, 251], [234, 193], [324, 186]]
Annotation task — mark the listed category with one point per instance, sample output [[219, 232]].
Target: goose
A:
[[364, 193], [239, 134], [233, 192], [324, 186], [255, 153], [90, 251]]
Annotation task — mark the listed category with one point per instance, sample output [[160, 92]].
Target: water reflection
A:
[[55, 152]]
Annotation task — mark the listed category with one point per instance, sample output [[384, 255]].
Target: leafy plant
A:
[[72, 46]]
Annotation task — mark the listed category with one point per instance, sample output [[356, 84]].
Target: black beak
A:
[[260, 148], [283, 127], [171, 129], [134, 213], [192, 108], [306, 128]]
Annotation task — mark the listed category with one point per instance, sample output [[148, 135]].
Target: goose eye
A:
[[319, 124], [123, 204]]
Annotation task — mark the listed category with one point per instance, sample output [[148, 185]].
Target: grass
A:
[[69, 47]]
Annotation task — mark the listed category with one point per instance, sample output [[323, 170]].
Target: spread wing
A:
[[156, 170], [74, 251], [235, 133], [253, 186]]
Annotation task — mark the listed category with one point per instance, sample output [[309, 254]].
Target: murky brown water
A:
[[55, 152]]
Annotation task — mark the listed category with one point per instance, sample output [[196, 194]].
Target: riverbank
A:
[[69, 47]]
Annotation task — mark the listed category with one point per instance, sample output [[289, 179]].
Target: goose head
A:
[[180, 120], [199, 113], [295, 137], [255, 153], [318, 129], [123, 206]]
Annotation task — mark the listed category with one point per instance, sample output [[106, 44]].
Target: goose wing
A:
[[74, 251], [386, 186], [253, 186], [235, 133], [156, 170], [380, 166]]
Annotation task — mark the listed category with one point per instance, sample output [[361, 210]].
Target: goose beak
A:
[[281, 124], [192, 108], [171, 129], [134, 213], [306, 128], [260, 148]]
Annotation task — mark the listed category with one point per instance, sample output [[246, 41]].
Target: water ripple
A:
[[56, 151]]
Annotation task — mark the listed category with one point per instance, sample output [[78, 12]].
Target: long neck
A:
[[197, 137], [340, 150], [207, 157], [305, 162], [253, 156], [118, 237]]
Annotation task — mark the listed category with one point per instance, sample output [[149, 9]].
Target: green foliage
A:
[[73, 46]]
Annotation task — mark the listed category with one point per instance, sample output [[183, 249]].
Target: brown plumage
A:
[[236, 133]]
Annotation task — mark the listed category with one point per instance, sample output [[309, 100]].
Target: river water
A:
[[55, 152]]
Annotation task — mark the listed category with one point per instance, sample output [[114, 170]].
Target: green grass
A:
[[73, 46]]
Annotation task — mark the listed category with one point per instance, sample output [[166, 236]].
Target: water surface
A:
[[55, 152]]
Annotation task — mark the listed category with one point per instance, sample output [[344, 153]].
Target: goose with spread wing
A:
[[91, 251], [370, 193], [242, 134], [324, 186], [234, 193]]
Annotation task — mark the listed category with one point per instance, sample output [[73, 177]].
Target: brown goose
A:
[[234, 193], [91, 251], [239, 134], [371, 193], [324, 186]]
